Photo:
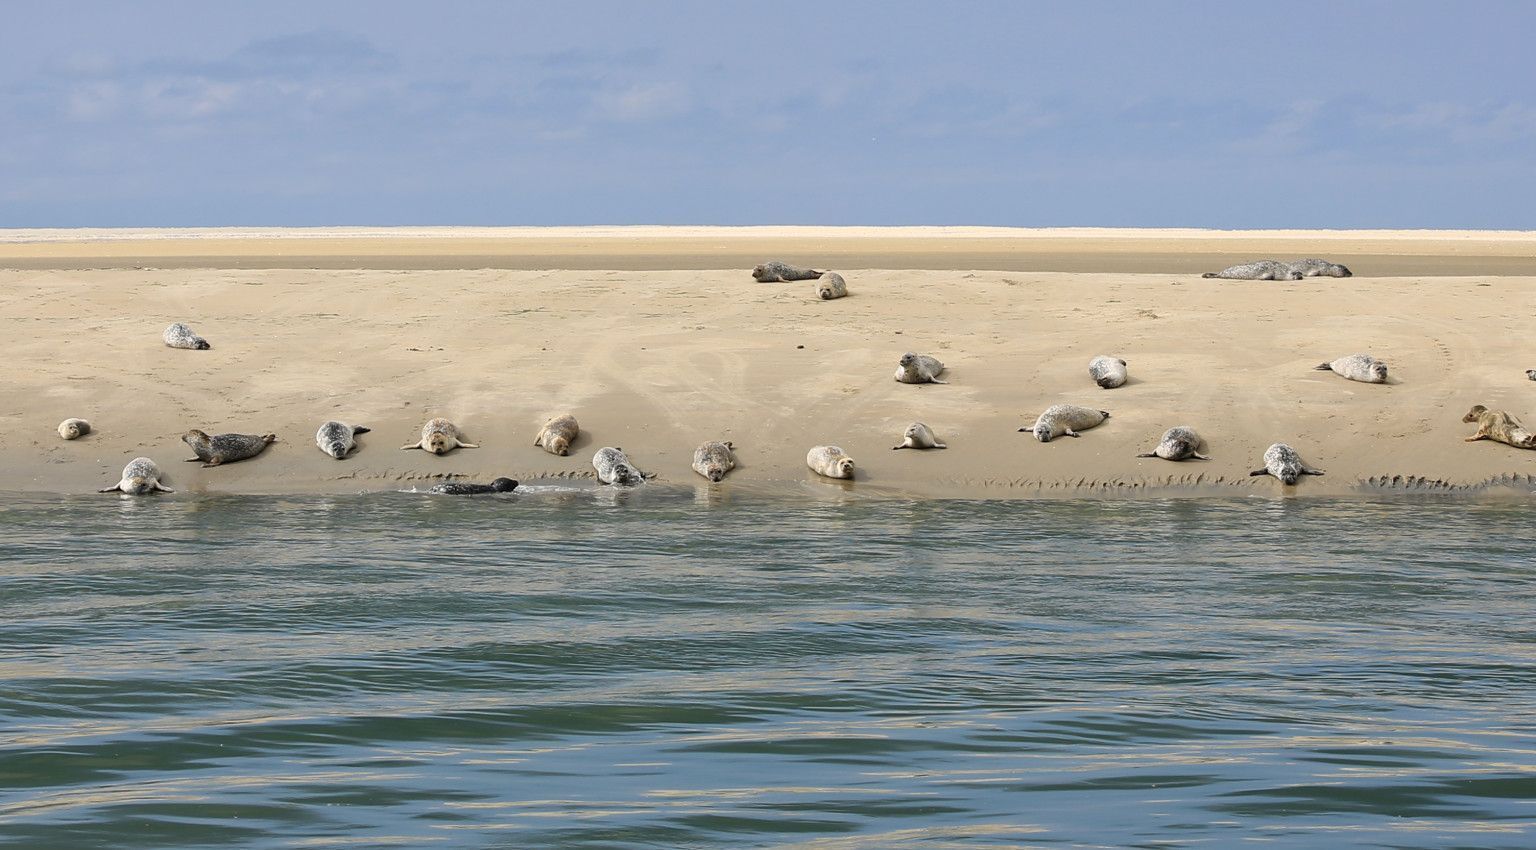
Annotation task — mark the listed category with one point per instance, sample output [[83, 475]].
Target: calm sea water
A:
[[664, 671]]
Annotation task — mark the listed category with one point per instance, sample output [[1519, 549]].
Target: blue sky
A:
[[1236, 115]]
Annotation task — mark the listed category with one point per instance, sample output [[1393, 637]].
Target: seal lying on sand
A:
[[830, 461], [225, 448], [1179, 443], [439, 436], [714, 459], [919, 436], [1107, 372], [1068, 419], [1313, 267], [140, 476], [74, 429], [460, 488], [613, 467], [775, 270], [1258, 270], [179, 335], [1500, 427], [1284, 463], [831, 286], [1531, 373], [1357, 367], [336, 438], [919, 369], [557, 435]]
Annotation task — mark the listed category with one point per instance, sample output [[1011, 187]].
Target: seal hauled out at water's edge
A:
[[919, 369], [1499, 426], [830, 461], [336, 438], [1068, 419], [1258, 270], [74, 429], [919, 436], [439, 436], [831, 286], [140, 476], [557, 435], [613, 467], [459, 488], [1284, 462], [713, 459], [225, 448], [1179, 443]]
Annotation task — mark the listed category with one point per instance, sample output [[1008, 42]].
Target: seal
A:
[[460, 488], [830, 461], [1179, 443], [1357, 367], [336, 438], [1531, 373], [1284, 463], [1313, 267], [140, 476], [557, 435], [1068, 419], [1258, 270], [225, 448], [613, 467], [1107, 372], [831, 286], [1500, 427], [179, 335], [439, 436], [919, 369], [775, 270], [918, 436], [713, 459], [74, 429]]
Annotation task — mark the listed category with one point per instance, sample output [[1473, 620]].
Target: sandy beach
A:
[[658, 338]]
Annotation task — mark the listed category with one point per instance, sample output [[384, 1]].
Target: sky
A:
[[1371, 114]]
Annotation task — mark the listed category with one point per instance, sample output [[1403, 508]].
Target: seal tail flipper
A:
[[1198, 456], [113, 489], [1309, 471], [1147, 454], [411, 446], [936, 381], [194, 460], [940, 446], [1211, 274], [902, 446], [469, 445], [1106, 413], [360, 429], [1323, 367], [1258, 472], [162, 488]]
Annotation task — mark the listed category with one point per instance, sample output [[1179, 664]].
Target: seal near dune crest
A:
[[1068, 419], [557, 435], [1499, 426], [1283, 462], [1313, 267], [613, 467], [776, 270], [919, 436], [919, 369], [1108, 372], [829, 461], [830, 286], [225, 448], [140, 476], [439, 436], [1178, 443], [1357, 367], [713, 459], [1258, 270], [461, 488], [74, 429], [337, 438], [178, 335]]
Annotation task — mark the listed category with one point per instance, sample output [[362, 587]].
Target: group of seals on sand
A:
[[1279, 270], [829, 285]]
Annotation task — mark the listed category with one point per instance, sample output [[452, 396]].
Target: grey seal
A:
[[1313, 267], [1499, 426], [225, 448], [830, 461], [140, 476], [179, 335], [919, 369], [1283, 462], [1107, 372], [1179, 443], [336, 438], [1357, 367], [918, 436], [1068, 419], [713, 459], [831, 286], [775, 270], [459, 488], [557, 435], [439, 436], [74, 429], [613, 467], [1258, 270]]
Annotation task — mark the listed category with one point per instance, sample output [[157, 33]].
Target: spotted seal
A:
[[775, 270], [1179, 443], [336, 438], [557, 435], [1107, 372], [919, 369], [831, 286], [613, 467], [179, 335], [439, 436], [225, 448], [1258, 270], [461, 488], [1531, 374], [74, 429], [1068, 419], [1499, 426], [1283, 462], [713, 459], [140, 476], [830, 461], [1313, 267], [1357, 367], [918, 436]]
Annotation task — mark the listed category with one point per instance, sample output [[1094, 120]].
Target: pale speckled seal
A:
[[919, 436], [140, 476], [1313, 267], [461, 488], [1179, 443], [1499, 426], [713, 459], [1357, 367], [336, 438], [613, 467], [1108, 372], [557, 435], [830, 461], [775, 270], [225, 448], [1258, 270], [1283, 462], [919, 369], [830, 286], [74, 429], [439, 436], [179, 335], [1068, 419]]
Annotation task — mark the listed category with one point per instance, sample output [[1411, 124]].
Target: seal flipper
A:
[[411, 446], [469, 445], [902, 446], [1264, 471], [162, 488], [360, 429], [1307, 470], [940, 446], [1198, 456], [1323, 367], [1147, 454], [936, 381], [115, 488]]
